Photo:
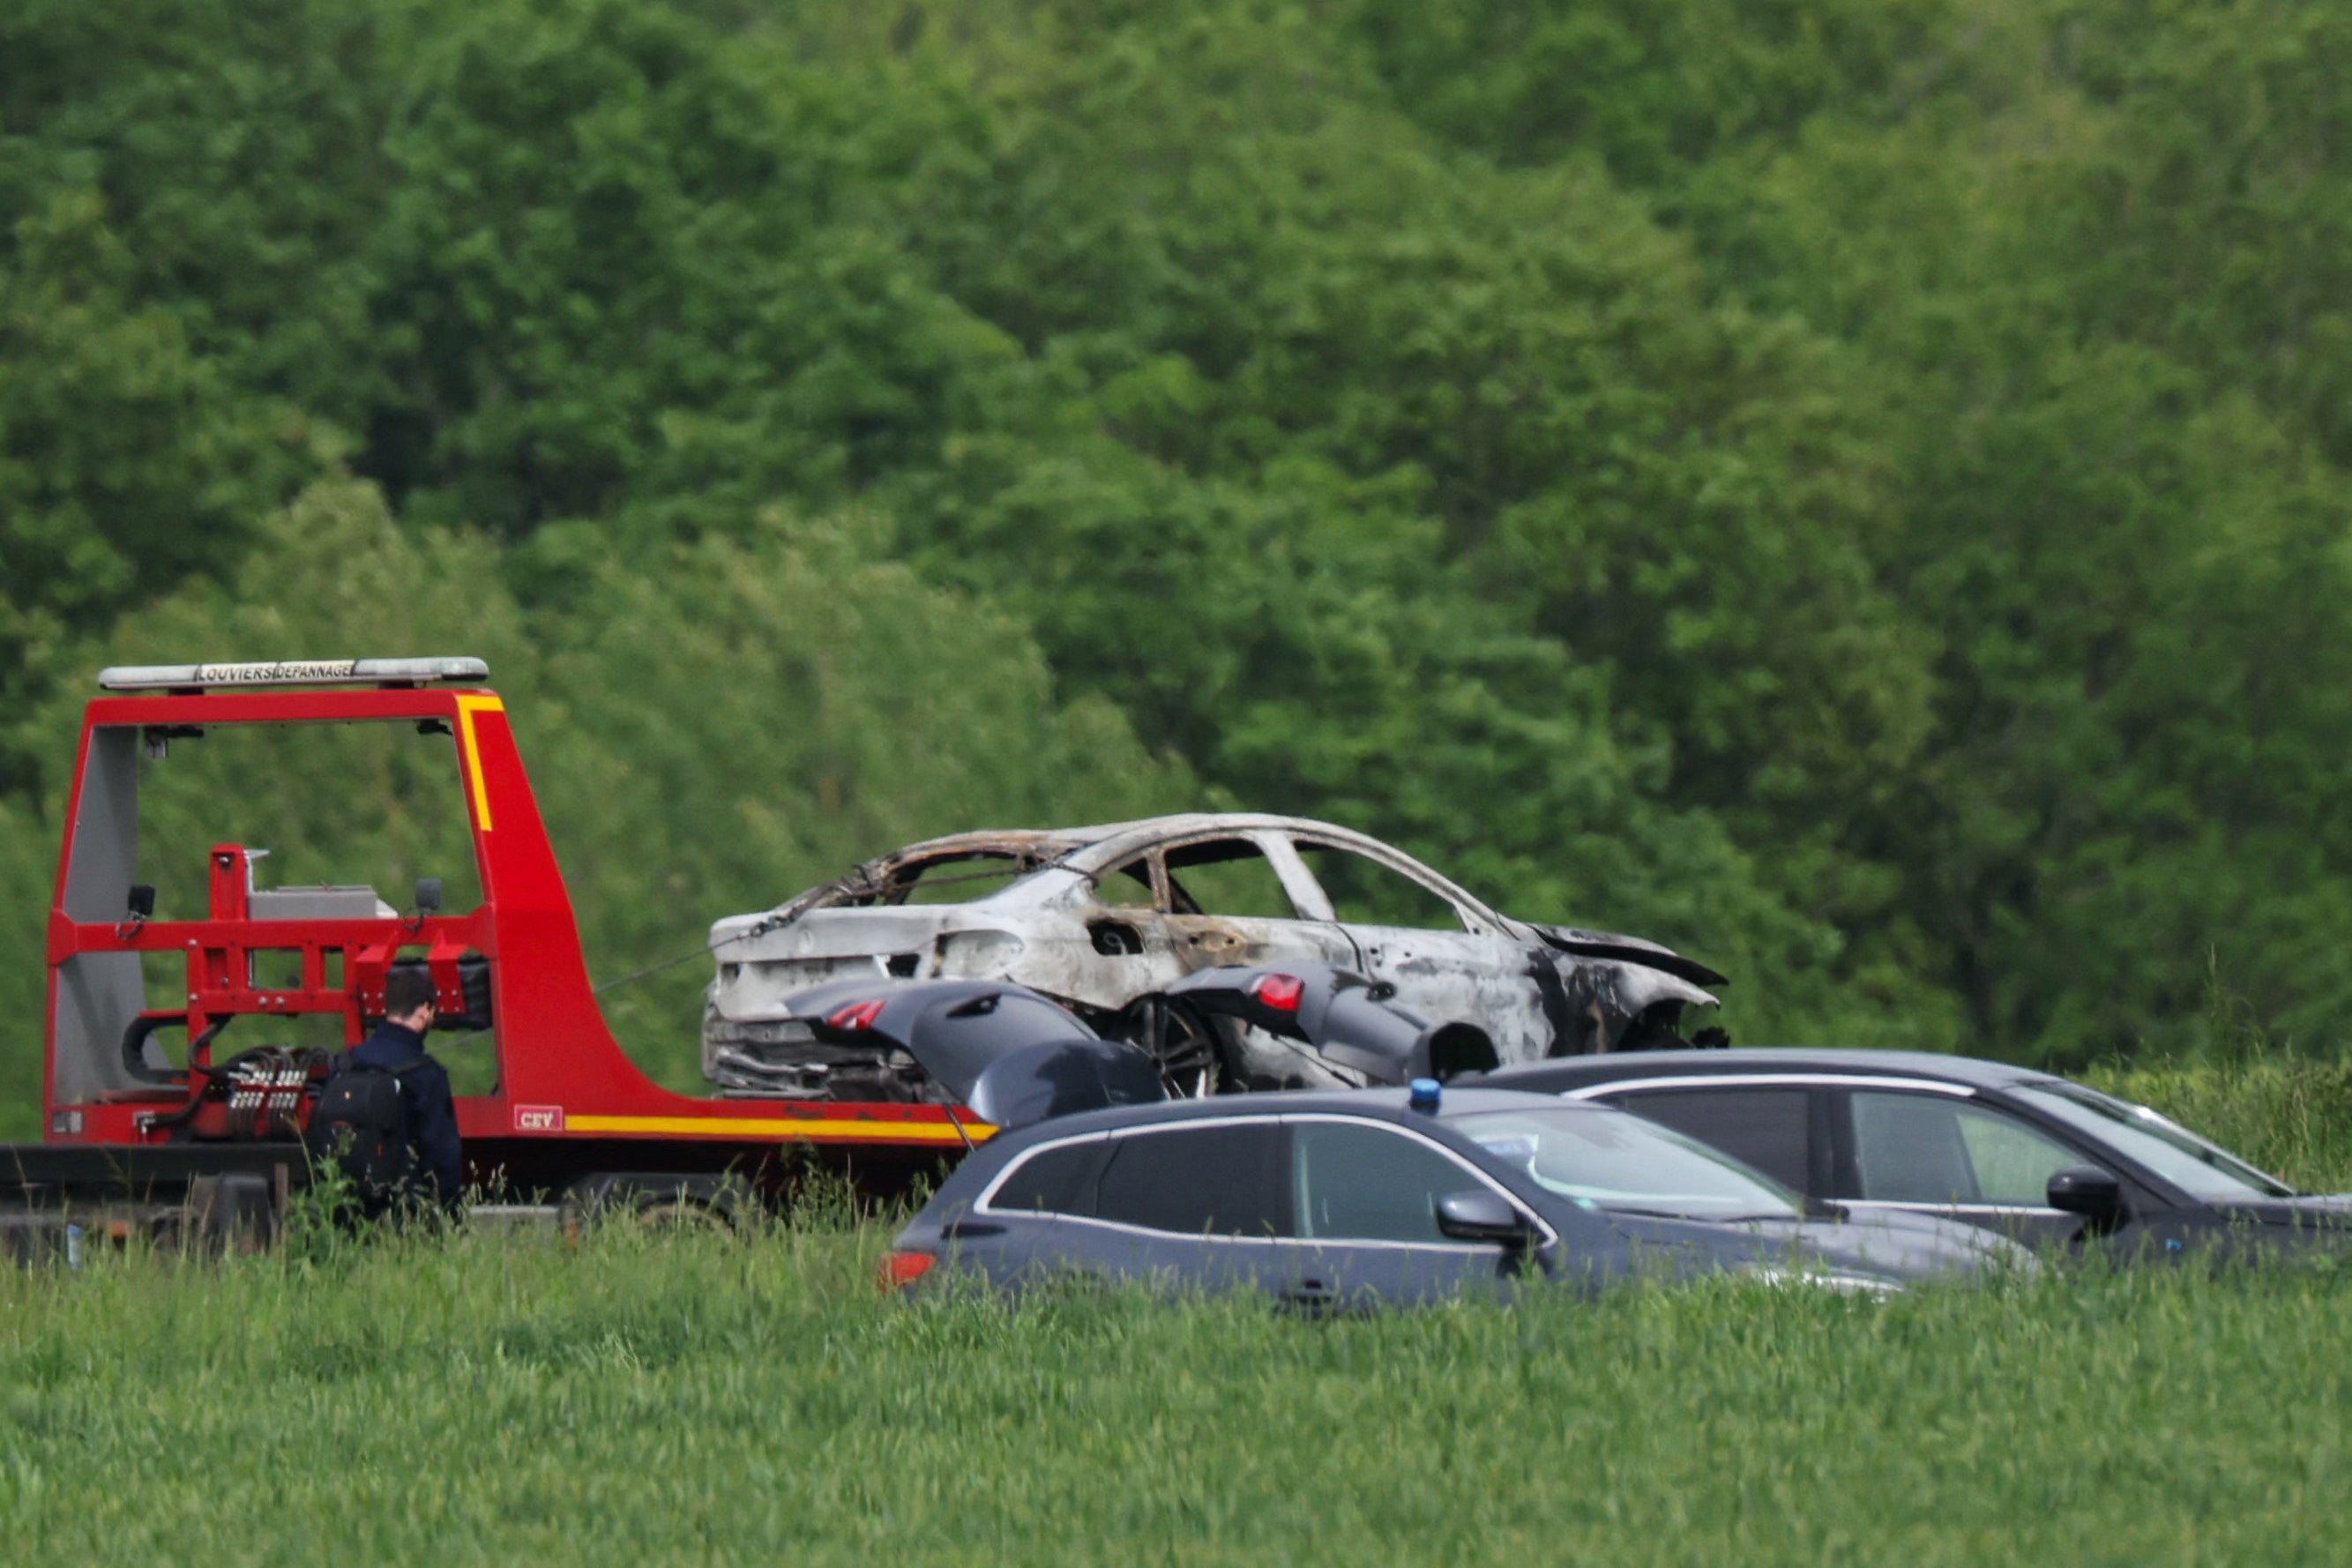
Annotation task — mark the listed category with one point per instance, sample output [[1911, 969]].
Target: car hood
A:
[[1914, 1245], [1616, 945], [1902, 1246]]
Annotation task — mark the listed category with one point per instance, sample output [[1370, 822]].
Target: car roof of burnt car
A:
[[1048, 842], [1572, 1072]]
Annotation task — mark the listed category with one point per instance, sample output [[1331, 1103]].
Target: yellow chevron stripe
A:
[[467, 708]]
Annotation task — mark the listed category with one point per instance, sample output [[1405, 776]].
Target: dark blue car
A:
[[2018, 1152], [1330, 1198]]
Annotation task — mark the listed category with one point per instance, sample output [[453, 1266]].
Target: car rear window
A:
[[1054, 1181], [1196, 1181], [957, 880]]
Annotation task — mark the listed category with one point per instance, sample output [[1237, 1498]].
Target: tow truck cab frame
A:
[[569, 1109]]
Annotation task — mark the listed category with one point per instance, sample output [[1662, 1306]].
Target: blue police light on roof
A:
[[1425, 1093]]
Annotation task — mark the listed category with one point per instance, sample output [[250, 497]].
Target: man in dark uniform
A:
[[397, 1047]]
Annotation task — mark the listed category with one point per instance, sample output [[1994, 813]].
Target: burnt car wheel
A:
[[1193, 1054]]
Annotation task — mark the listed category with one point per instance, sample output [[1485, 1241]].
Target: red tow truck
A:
[[206, 1147]]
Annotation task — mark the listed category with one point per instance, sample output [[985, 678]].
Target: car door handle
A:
[[1311, 1294]]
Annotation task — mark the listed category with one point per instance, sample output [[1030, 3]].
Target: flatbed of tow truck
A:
[[156, 1143]]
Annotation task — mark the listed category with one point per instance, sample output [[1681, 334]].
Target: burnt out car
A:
[[1108, 920]]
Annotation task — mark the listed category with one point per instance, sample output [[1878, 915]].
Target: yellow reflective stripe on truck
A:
[[467, 708], [808, 1129]]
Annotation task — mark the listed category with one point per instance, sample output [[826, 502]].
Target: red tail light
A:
[[1279, 992], [858, 1014], [901, 1269]]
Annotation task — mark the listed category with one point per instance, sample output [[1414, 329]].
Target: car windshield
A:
[[1608, 1160], [2202, 1170]]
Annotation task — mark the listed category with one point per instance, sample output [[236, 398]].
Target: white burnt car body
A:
[[1104, 918]]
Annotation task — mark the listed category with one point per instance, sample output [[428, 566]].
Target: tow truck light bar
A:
[[292, 672]]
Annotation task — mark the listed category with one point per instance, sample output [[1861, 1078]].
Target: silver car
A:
[[1106, 919]]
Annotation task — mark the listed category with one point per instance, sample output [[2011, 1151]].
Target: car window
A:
[[1126, 887], [1196, 1181], [1054, 1180], [1353, 1181], [1928, 1149], [1769, 1129], [1365, 892], [956, 880], [1226, 877]]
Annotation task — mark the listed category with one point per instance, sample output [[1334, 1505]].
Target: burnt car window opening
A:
[[1363, 891], [1766, 1127], [1610, 1162], [1928, 1149], [1226, 877], [1355, 1182], [2202, 1170], [956, 878], [1196, 1181], [1060, 1180], [1127, 887]]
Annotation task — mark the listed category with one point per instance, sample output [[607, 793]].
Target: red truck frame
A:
[[569, 1107]]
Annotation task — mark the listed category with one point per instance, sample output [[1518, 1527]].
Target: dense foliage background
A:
[[1855, 489]]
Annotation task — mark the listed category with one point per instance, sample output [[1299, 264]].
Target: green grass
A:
[[496, 1398], [501, 1398]]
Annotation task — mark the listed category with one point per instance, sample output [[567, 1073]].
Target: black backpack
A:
[[359, 1126]]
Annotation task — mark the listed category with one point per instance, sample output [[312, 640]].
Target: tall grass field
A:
[[655, 1399]]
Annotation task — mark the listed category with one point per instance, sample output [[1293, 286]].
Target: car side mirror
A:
[[2088, 1191], [1479, 1215], [428, 896]]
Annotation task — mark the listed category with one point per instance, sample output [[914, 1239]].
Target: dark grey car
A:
[[1317, 1198], [2010, 1149]]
